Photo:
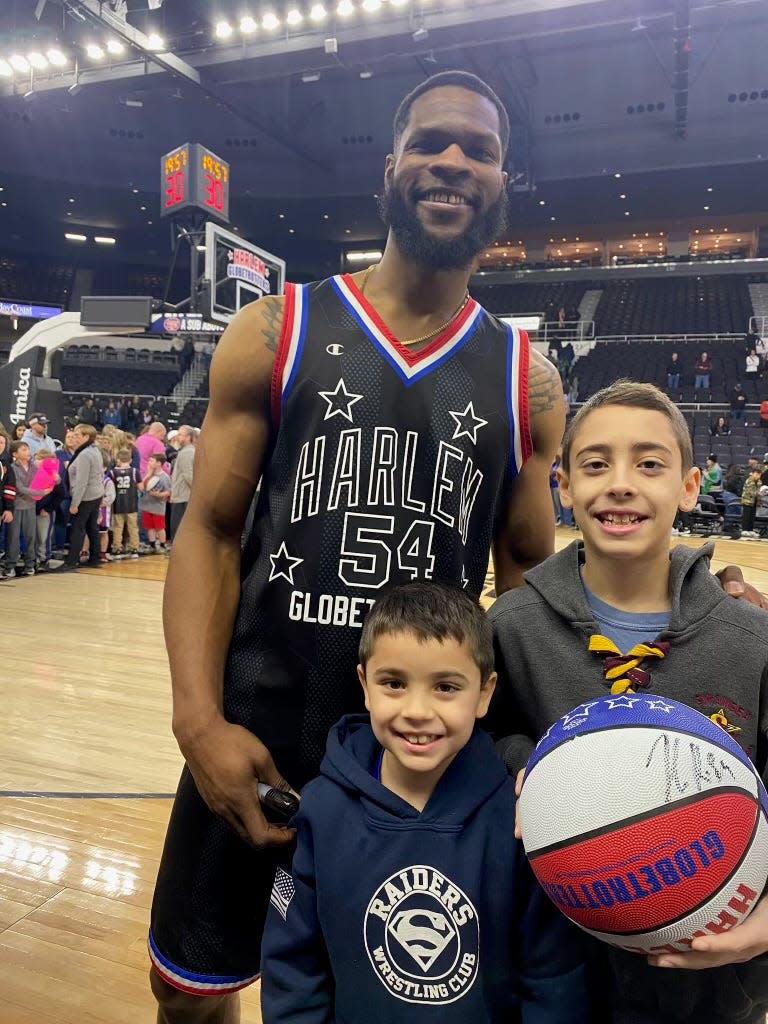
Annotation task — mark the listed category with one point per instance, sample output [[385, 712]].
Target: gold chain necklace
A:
[[431, 334]]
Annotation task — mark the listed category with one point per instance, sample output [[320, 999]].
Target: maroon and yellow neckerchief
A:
[[622, 672]]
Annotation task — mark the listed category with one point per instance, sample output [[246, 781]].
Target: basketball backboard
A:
[[237, 272]]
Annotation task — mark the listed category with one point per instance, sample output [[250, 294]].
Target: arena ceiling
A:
[[670, 94]]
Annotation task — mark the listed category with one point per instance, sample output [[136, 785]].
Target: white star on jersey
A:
[[467, 423], [340, 401], [283, 565]]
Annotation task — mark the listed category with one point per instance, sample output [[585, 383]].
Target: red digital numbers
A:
[[174, 189], [214, 192]]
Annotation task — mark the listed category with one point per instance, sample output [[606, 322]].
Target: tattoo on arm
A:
[[273, 319], [545, 389]]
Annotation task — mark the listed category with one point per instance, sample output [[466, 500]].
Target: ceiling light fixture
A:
[[18, 63], [38, 61], [371, 6], [318, 13], [94, 51], [248, 25], [294, 17], [71, 237], [115, 47], [270, 21], [6, 71], [104, 239], [344, 8], [307, 77], [57, 58], [223, 29], [155, 41]]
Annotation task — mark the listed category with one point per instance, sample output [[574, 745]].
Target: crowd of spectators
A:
[[98, 496]]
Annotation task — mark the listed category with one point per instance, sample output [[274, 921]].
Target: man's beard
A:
[[456, 253]]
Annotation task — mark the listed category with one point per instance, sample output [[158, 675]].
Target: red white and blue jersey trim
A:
[[290, 345], [410, 366], [518, 356], [189, 981]]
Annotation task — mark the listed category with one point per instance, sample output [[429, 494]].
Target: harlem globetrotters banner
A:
[[24, 390]]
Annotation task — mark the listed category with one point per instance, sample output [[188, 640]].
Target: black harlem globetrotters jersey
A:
[[387, 466]]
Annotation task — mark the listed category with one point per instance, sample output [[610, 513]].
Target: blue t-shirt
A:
[[625, 628]]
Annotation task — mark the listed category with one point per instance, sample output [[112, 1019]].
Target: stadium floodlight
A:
[[248, 25], [294, 17], [223, 29], [155, 41], [37, 60], [18, 63], [318, 12], [345, 8], [57, 58], [270, 21], [94, 51], [115, 47], [371, 6], [6, 71]]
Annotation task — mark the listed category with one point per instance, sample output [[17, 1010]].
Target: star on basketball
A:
[[467, 423], [340, 401], [283, 565], [623, 702], [658, 704], [579, 713]]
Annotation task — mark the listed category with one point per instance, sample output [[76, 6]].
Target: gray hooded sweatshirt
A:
[[717, 663]]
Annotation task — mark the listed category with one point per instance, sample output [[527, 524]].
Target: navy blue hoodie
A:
[[391, 915]]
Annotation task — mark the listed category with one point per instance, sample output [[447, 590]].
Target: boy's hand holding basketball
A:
[[227, 762], [736, 946]]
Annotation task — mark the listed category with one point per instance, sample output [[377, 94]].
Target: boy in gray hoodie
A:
[[620, 613]]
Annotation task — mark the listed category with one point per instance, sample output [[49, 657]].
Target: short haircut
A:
[[15, 445], [86, 430], [464, 80], [157, 458], [44, 453], [637, 396], [123, 455], [431, 611]]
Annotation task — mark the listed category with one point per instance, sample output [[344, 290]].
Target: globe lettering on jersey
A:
[[387, 466]]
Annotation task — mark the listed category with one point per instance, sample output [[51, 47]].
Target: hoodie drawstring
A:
[[622, 671]]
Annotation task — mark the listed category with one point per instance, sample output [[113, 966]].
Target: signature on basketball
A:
[[684, 767]]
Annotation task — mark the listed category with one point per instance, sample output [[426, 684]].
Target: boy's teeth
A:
[[419, 740], [622, 520]]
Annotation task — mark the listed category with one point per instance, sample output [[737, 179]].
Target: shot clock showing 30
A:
[[191, 176]]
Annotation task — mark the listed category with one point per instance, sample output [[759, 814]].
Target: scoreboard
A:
[[191, 176]]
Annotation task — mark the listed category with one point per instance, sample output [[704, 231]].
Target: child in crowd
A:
[[47, 470], [23, 524], [619, 613], [750, 496], [105, 509], [157, 490], [126, 481], [409, 898]]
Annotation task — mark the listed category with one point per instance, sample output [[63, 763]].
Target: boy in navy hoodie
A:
[[409, 898]]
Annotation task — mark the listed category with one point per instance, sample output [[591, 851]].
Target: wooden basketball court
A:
[[87, 766]]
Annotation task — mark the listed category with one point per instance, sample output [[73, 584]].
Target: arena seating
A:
[[530, 298], [35, 282], [133, 371], [647, 361], [685, 305]]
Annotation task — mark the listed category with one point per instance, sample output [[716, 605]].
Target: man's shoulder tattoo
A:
[[545, 388]]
